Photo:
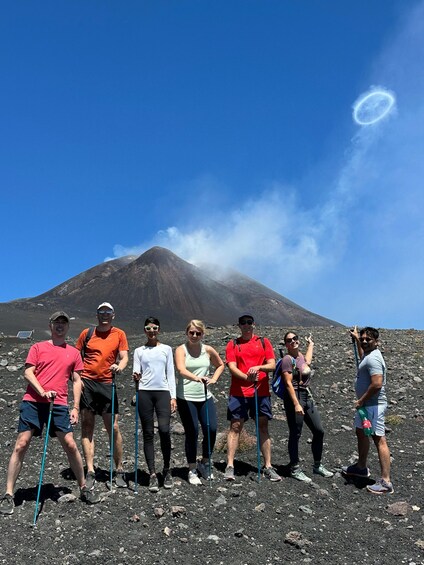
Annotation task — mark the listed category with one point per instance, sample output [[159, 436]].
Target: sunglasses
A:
[[195, 334], [366, 339], [246, 322], [104, 312], [151, 328], [290, 339]]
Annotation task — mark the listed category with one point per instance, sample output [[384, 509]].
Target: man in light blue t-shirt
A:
[[370, 390]]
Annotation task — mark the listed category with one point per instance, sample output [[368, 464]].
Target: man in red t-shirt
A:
[[249, 359], [48, 367], [105, 354]]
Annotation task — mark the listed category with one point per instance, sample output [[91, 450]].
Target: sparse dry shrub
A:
[[394, 420], [247, 441]]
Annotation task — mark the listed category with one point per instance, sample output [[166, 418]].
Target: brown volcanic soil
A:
[[243, 522]]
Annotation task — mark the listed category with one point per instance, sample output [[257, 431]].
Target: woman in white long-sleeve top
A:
[[154, 371]]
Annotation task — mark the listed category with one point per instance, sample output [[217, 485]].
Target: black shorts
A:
[[35, 415], [97, 397]]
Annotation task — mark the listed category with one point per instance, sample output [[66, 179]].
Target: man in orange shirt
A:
[[105, 354]]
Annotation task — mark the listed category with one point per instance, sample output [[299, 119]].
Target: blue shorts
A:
[[240, 408], [35, 415], [376, 416]]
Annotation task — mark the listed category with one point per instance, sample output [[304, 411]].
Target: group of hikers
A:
[[101, 353]]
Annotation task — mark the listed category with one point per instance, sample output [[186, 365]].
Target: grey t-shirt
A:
[[371, 364]]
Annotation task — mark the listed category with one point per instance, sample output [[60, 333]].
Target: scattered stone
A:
[[159, 512], [214, 538], [135, 518], [167, 531], [67, 498], [178, 510], [177, 429], [306, 510], [220, 501], [260, 507], [297, 540], [399, 508]]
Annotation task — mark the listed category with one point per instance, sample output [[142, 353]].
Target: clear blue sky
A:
[[221, 130]]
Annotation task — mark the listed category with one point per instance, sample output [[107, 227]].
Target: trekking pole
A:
[[136, 441], [208, 432], [258, 449], [112, 433], [43, 462], [355, 350]]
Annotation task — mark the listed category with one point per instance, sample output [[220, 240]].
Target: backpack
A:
[[87, 339], [277, 382]]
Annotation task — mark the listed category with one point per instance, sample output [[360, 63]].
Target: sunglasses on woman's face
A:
[[151, 328], [195, 334], [246, 322], [291, 339]]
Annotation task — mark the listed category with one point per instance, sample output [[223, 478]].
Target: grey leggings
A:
[[295, 422]]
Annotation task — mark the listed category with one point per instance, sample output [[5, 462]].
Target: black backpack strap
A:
[[87, 339]]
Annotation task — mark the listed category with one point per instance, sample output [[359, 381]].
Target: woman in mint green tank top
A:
[[194, 399]]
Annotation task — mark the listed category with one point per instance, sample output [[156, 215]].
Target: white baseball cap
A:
[[106, 305]]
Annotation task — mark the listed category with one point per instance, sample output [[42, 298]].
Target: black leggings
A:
[[191, 413], [295, 422], [159, 401]]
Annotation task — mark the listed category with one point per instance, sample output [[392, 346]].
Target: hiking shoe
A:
[[167, 479], [90, 479], [299, 475], [203, 469], [193, 477], [321, 470], [153, 483], [120, 481], [229, 473], [271, 474], [89, 495], [381, 487], [6, 504], [355, 471]]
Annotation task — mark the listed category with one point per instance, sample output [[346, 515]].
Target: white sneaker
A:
[[203, 469], [193, 477]]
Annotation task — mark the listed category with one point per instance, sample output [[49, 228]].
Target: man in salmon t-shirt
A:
[[48, 367], [105, 354], [249, 359]]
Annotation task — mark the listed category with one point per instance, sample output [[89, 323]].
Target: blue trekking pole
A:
[[112, 433], [43, 462], [258, 449], [136, 441], [208, 433]]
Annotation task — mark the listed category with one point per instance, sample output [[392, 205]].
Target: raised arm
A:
[[309, 349]]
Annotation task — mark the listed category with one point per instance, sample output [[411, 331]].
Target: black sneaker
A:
[[6, 504], [120, 481], [153, 483], [90, 480], [89, 495], [167, 479]]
